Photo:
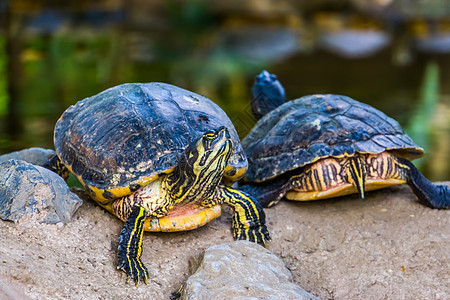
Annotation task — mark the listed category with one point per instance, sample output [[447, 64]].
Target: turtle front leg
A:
[[130, 246], [249, 219], [134, 209]]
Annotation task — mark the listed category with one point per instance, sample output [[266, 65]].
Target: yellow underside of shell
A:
[[195, 220]]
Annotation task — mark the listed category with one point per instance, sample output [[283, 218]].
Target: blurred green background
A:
[[392, 54]]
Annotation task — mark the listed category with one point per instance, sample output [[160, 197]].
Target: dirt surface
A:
[[387, 246]]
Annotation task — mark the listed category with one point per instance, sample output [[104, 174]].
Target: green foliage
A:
[[420, 123], [73, 181], [69, 68], [3, 78]]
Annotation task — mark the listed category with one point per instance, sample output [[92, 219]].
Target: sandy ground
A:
[[385, 247]]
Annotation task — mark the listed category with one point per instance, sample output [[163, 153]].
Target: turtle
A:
[[154, 155], [326, 145]]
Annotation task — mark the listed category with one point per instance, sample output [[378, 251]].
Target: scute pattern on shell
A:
[[304, 130], [134, 131]]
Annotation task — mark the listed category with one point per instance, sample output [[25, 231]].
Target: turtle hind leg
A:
[[428, 193], [56, 165], [269, 193], [130, 246], [266, 194], [249, 219]]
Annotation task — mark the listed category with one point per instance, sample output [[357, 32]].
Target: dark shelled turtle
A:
[[154, 155], [323, 146]]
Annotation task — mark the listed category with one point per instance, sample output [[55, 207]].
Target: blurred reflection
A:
[[351, 36]]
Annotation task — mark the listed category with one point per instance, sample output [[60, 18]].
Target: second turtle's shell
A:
[[310, 128]]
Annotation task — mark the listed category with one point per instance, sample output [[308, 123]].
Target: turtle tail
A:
[[428, 193], [56, 165]]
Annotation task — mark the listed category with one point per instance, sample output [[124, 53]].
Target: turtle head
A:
[[267, 94], [202, 165], [211, 152]]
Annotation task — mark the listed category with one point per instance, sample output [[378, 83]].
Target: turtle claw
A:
[[135, 269], [256, 233]]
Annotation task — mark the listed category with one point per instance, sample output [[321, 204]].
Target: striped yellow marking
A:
[[250, 210], [254, 209], [321, 178], [245, 214], [341, 190], [180, 192], [313, 180], [402, 166], [368, 172], [357, 175], [409, 154], [135, 239], [309, 181], [384, 164], [138, 224]]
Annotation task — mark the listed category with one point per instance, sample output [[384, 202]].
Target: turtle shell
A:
[[310, 128], [125, 137]]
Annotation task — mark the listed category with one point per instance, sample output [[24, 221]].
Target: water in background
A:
[[395, 58]]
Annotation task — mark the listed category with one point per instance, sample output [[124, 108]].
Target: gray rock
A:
[[9, 291], [241, 270], [26, 189], [35, 156]]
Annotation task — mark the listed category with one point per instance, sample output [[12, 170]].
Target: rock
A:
[[9, 292], [35, 156], [242, 269], [27, 189]]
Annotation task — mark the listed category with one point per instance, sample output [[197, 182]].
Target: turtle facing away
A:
[[323, 146], [155, 155]]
